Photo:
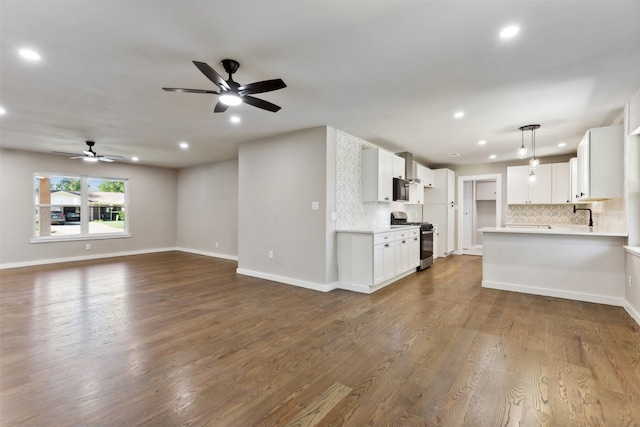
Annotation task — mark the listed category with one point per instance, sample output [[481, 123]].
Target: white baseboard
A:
[[633, 313], [576, 296], [288, 280], [82, 258], [210, 254]]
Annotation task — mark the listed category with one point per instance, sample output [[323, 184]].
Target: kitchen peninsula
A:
[[573, 262]]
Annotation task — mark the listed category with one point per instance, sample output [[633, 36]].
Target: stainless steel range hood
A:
[[408, 166]]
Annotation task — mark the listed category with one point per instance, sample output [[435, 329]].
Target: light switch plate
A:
[[315, 206]]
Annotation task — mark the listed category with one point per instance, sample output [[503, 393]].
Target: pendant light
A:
[[534, 162], [522, 152]]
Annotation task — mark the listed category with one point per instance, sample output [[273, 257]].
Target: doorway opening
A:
[[479, 205]]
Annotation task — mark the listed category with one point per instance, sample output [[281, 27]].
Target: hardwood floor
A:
[[176, 339]]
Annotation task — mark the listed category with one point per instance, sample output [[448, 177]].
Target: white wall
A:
[[279, 178], [151, 213], [208, 209]]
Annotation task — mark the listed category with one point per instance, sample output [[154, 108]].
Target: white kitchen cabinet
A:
[[600, 164], [384, 262], [377, 175], [444, 188], [426, 176], [560, 183], [634, 115], [414, 248], [439, 208], [573, 172], [399, 167], [368, 260], [402, 255], [416, 193], [486, 190], [519, 191]]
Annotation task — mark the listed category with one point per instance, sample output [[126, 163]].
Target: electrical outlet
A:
[[87, 246], [270, 254], [217, 245], [630, 280]]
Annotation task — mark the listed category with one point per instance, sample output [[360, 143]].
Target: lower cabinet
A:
[[369, 259]]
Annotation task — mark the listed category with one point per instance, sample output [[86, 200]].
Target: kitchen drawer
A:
[[402, 235], [384, 237], [414, 232]]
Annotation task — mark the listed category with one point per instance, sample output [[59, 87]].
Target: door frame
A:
[[461, 180]]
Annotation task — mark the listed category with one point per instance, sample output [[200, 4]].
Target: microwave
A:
[[400, 189]]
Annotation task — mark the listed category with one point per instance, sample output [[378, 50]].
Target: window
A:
[[79, 207]]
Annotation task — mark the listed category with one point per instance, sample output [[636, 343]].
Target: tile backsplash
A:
[[352, 212], [610, 214]]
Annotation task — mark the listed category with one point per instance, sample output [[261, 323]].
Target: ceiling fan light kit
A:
[[90, 155], [232, 93]]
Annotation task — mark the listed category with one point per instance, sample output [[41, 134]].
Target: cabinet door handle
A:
[[386, 245]]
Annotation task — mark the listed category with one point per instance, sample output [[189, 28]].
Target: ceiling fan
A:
[[231, 92], [90, 155]]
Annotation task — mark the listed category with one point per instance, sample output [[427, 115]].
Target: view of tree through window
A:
[[71, 206]]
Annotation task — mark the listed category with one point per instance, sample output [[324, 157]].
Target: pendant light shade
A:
[[522, 152]]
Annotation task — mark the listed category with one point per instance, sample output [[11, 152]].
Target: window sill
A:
[[49, 239]]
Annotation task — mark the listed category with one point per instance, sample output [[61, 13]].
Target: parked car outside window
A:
[[57, 217], [72, 216]]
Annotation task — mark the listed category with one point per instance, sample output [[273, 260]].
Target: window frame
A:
[[84, 206]]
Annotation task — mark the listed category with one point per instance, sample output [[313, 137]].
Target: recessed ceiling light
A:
[[459, 114], [509, 31], [234, 119], [134, 159], [493, 156], [562, 144], [453, 154], [482, 142], [29, 54], [184, 145], [2, 111]]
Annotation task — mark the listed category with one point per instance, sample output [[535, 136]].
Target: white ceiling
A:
[[390, 72]]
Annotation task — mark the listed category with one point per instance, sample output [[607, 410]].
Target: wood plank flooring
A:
[[176, 339]]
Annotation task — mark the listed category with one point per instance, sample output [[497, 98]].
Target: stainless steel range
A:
[[426, 237]]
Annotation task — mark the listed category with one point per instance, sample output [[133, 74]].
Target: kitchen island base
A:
[[581, 267]]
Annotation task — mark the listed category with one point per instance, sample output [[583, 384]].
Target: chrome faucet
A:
[[584, 209]]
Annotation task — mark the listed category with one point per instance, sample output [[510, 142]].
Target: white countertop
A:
[[635, 250], [379, 229], [574, 230]]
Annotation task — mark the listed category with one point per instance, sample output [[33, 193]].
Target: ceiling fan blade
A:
[[104, 159], [106, 156], [77, 157], [260, 103], [177, 89], [212, 75], [260, 87], [64, 154], [220, 107], [89, 153]]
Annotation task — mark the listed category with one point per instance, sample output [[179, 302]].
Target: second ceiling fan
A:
[[231, 92]]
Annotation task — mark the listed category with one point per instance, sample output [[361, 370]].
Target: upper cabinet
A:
[[520, 191], [398, 167], [377, 175], [426, 176], [634, 115], [486, 190], [573, 173], [600, 164], [560, 183], [444, 188]]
